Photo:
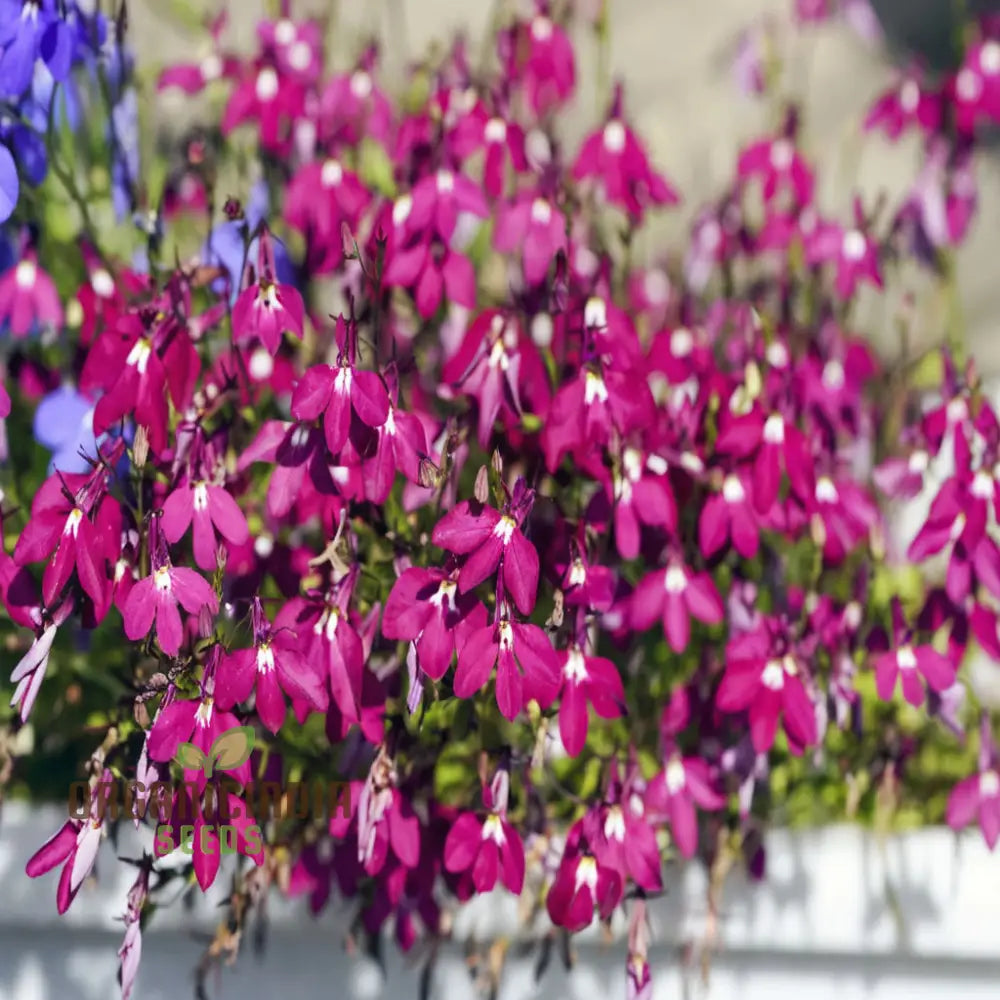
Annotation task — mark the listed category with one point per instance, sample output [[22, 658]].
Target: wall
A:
[[839, 918]]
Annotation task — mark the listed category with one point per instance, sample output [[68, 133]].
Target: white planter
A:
[[838, 918]]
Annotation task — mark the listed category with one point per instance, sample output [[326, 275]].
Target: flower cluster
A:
[[556, 557]]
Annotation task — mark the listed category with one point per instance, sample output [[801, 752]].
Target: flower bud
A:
[[140, 447]]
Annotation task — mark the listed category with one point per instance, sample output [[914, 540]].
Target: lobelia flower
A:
[[586, 679], [352, 107], [842, 514], [535, 227], [765, 676], [211, 509], [64, 424], [621, 836], [615, 158], [297, 47], [527, 665], [272, 667], [906, 105], [503, 141], [28, 298], [431, 269], [202, 813], [854, 252], [30, 670], [272, 100], [10, 184], [435, 203], [975, 89], [75, 846], [539, 55], [773, 442], [673, 793], [639, 979], [400, 445], [905, 661], [780, 167], [977, 798], [488, 847], [728, 515], [76, 525], [425, 608], [490, 540], [265, 310], [581, 884], [152, 601], [673, 596], [30, 31], [130, 952]]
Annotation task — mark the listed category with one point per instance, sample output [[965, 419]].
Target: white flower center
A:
[[833, 374], [854, 245], [542, 329], [284, 32], [594, 389], [595, 314], [25, 274], [161, 579], [826, 492], [506, 637], [211, 68], [267, 84], [909, 96], [774, 429], [361, 85], [732, 489], [773, 676], [541, 212], [401, 209], [493, 830], [498, 357], [681, 342], [782, 154], [586, 873], [203, 714], [905, 658], [675, 579], [576, 667], [989, 784], [201, 497], [261, 365], [265, 658], [505, 529], [989, 58], [445, 594], [968, 86], [495, 130], [674, 776], [982, 485], [541, 29], [918, 462], [614, 824], [445, 182], [73, 522], [614, 136], [577, 573], [390, 423], [102, 284]]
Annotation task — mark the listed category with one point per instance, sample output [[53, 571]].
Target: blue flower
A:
[[224, 247], [10, 186], [125, 167], [31, 30], [64, 424]]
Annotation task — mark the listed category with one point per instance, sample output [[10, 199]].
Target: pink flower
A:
[[855, 254], [400, 446], [977, 798], [729, 516], [130, 951], [842, 516], [30, 670], [905, 661], [975, 88], [502, 139], [431, 269], [490, 540], [536, 228], [780, 167], [266, 310], [674, 596], [425, 607], [540, 57], [674, 793], [580, 885], [270, 98], [906, 105], [488, 847], [74, 847], [614, 157], [435, 202], [592, 679], [272, 667], [28, 298], [155, 598], [527, 665], [212, 509], [768, 682]]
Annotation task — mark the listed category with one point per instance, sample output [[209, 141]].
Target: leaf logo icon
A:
[[189, 757], [230, 750]]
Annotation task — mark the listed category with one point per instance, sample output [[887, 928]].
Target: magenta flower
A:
[[207, 814], [854, 253], [729, 516], [768, 682], [621, 836], [401, 446], [615, 158], [338, 392], [673, 793], [539, 55], [270, 98], [527, 665], [266, 310], [130, 952], [491, 540], [488, 847], [426, 608], [211, 509], [975, 89], [675, 595], [908, 104], [780, 167], [502, 139], [30, 670], [273, 667], [842, 514], [431, 269], [977, 798], [581, 884], [907, 662], [592, 679], [155, 598], [28, 298], [535, 227], [435, 202], [74, 847]]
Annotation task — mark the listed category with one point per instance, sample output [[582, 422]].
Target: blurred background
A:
[[843, 914]]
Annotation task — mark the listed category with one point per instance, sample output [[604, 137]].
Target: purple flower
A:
[[10, 186], [64, 424], [30, 31]]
